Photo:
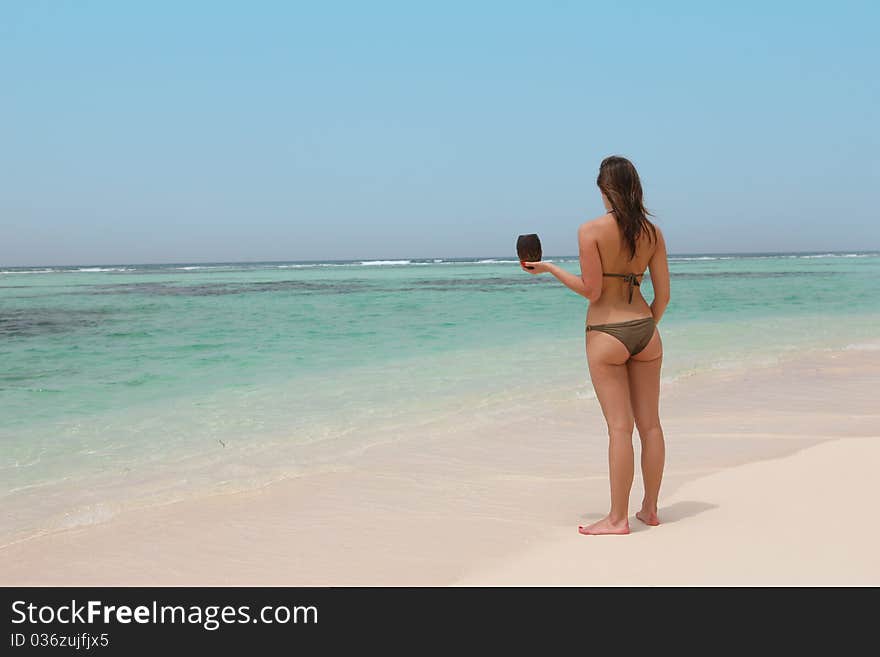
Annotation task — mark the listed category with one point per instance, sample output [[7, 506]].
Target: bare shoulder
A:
[[594, 227], [659, 234], [658, 244]]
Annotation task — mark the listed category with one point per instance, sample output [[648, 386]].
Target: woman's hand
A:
[[535, 267]]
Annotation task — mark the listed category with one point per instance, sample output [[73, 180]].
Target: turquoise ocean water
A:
[[130, 384]]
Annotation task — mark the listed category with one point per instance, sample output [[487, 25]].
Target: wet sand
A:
[[759, 462]]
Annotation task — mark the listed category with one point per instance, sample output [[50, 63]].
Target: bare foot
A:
[[648, 517], [605, 526]]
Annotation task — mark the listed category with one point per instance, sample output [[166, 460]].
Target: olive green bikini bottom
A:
[[635, 334]]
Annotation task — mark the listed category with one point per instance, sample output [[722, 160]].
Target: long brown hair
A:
[[619, 181]]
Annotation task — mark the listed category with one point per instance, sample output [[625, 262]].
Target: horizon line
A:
[[410, 258]]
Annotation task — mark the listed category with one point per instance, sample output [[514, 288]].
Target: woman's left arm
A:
[[591, 267]]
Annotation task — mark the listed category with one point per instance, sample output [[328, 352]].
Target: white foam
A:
[[90, 515], [386, 262], [309, 265], [863, 346], [701, 257], [99, 269]]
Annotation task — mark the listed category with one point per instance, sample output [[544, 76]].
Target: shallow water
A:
[[124, 384]]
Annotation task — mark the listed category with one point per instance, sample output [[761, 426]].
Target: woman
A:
[[624, 351]]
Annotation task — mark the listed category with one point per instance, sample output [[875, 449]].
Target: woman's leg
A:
[[607, 360], [644, 392]]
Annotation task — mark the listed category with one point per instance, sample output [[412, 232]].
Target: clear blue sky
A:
[[195, 131]]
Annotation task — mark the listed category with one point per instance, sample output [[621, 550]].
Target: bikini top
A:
[[632, 279]]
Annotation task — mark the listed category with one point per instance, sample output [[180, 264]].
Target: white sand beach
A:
[[800, 520], [769, 479]]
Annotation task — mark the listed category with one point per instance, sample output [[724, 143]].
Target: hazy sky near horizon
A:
[[214, 131]]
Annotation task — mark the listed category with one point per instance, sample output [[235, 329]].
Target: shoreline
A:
[[443, 508], [160, 485]]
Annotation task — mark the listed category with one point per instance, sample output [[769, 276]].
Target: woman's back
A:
[[614, 303]]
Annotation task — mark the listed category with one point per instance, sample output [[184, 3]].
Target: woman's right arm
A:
[[659, 268]]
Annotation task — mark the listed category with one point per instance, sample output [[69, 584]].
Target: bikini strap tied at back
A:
[[631, 279]]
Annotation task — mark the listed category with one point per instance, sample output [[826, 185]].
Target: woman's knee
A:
[[622, 428], [649, 429]]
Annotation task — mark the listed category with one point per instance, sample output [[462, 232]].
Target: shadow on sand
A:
[[682, 510]]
